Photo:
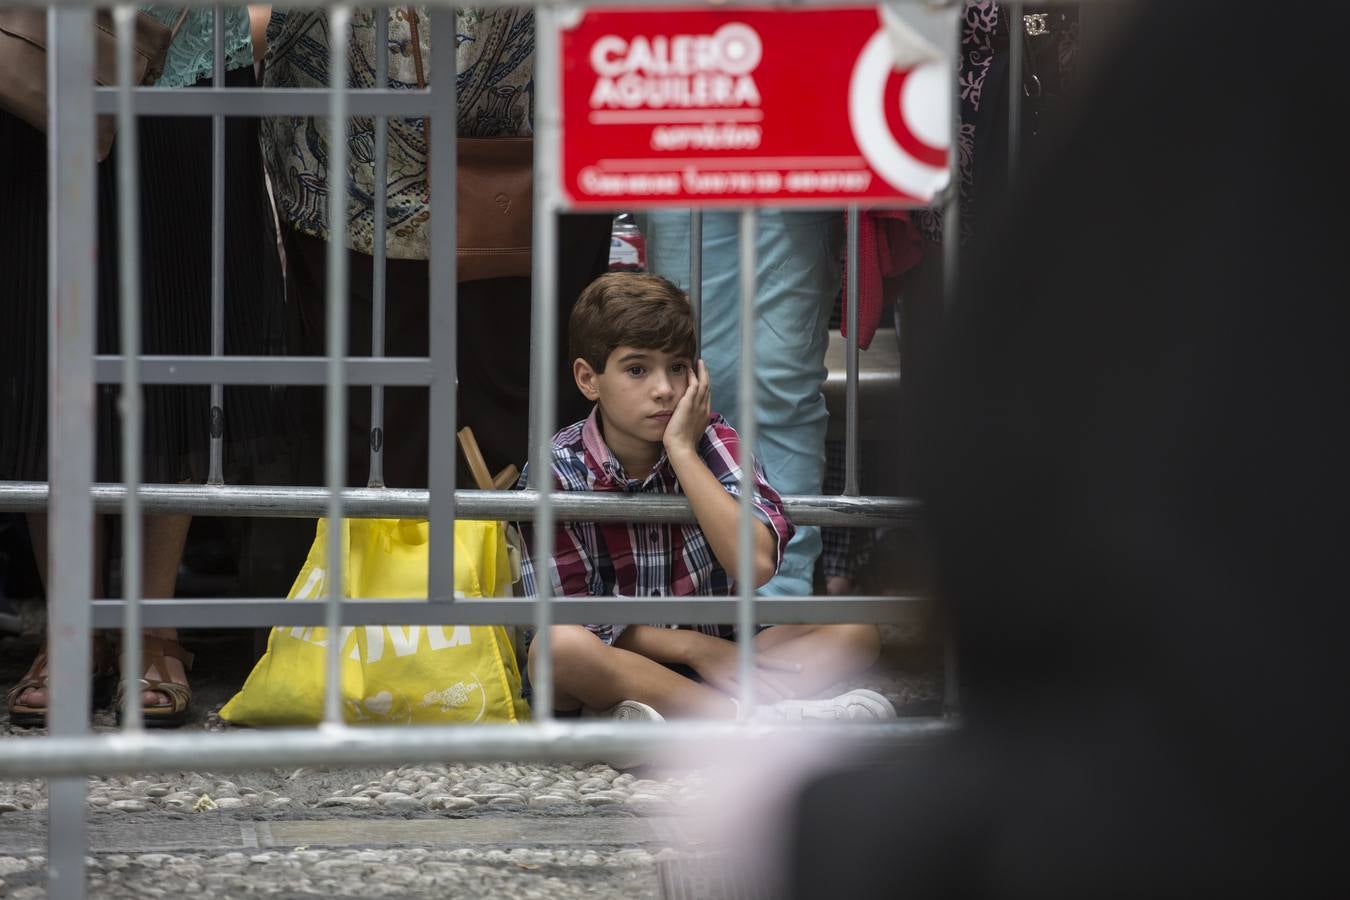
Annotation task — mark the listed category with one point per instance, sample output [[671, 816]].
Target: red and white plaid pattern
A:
[[643, 559]]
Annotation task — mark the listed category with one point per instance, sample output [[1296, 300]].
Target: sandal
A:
[[104, 675], [154, 651]]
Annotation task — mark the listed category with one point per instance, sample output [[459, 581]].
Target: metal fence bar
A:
[[129, 246], [69, 752], [332, 101], [379, 245], [217, 46], [951, 258], [748, 429], [696, 276], [367, 503], [410, 371], [70, 397], [442, 461], [249, 102], [118, 754], [544, 337], [1016, 33], [215, 472], [339, 33], [233, 612], [851, 360]]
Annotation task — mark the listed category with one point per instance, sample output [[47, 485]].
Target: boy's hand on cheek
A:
[[690, 419]]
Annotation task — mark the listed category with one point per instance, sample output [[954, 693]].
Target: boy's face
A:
[[637, 392]]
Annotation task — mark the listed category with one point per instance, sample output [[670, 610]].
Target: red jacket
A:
[[889, 245]]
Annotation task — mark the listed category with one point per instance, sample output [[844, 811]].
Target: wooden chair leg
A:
[[474, 457], [502, 481]]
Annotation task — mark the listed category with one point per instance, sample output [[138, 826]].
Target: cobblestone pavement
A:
[[404, 872], [367, 873], [473, 830], [563, 789]]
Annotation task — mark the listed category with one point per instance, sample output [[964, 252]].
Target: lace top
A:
[[190, 58]]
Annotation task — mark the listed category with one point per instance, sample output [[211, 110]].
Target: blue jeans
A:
[[798, 279]]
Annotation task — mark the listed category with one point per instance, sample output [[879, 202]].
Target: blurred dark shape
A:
[[1137, 483]]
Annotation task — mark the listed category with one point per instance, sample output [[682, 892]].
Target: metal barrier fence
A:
[[71, 752]]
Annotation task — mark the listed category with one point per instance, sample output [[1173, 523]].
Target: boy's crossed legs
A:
[[793, 661]]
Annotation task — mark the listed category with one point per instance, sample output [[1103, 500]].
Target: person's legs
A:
[[163, 542], [827, 653], [797, 278], [403, 437], [587, 672], [37, 535]]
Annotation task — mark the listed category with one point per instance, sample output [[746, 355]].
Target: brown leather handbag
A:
[[23, 63], [494, 207], [494, 197]]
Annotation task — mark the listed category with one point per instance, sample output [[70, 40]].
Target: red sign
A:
[[749, 107]]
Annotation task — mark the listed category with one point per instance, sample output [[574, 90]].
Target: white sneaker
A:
[[625, 711], [856, 704]]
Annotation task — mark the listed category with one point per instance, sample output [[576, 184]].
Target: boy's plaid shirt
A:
[[643, 559]]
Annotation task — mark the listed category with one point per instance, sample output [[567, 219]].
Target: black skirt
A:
[[175, 189]]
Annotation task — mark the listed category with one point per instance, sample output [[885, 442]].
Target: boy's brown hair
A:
[[629, 309]]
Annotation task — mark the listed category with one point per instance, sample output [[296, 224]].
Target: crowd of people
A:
[[275, 245]]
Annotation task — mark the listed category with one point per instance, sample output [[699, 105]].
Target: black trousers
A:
[[493, 348]]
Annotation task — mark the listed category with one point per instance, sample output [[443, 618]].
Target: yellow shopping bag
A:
[[392, 674]]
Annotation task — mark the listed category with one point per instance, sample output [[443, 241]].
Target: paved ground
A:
[[443, 830], [507, 855]]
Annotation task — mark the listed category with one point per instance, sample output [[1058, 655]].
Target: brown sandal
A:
[[104, 675], [154, 650]]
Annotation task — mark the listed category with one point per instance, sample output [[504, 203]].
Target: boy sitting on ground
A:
[[653, 431]]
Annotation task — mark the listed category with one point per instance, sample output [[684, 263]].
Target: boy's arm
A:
[[718, 515], [716, 510]]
